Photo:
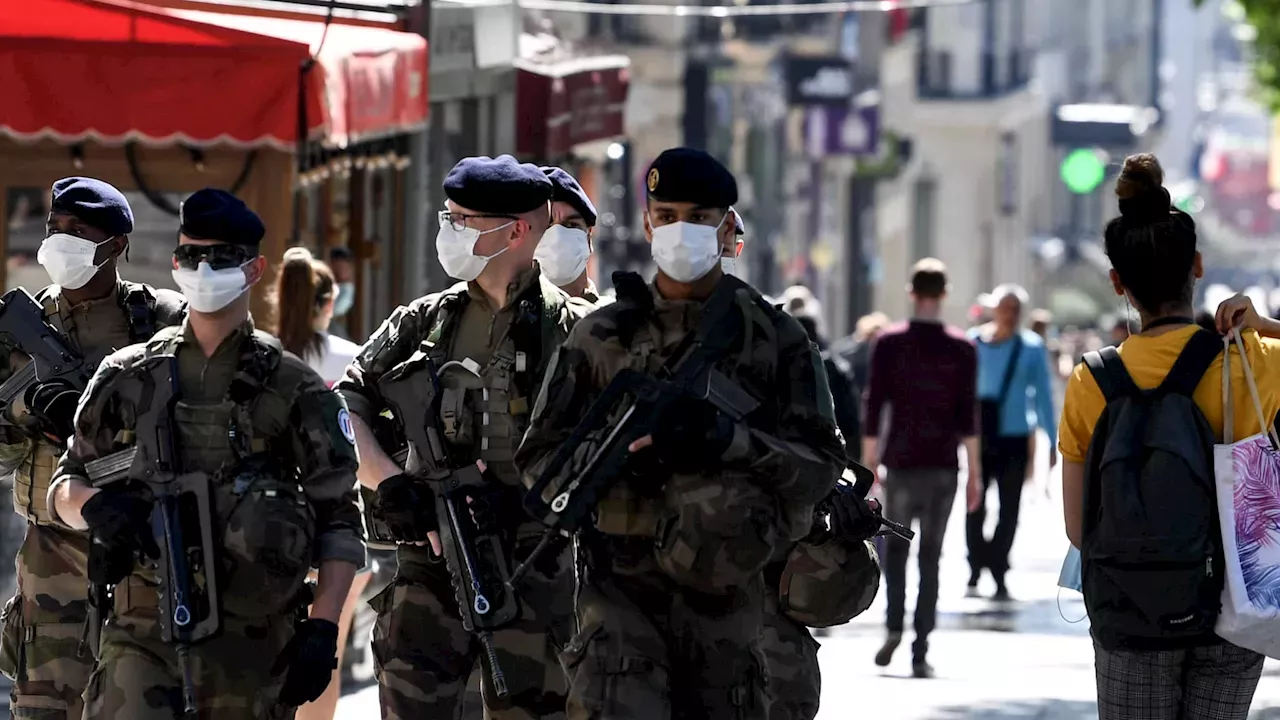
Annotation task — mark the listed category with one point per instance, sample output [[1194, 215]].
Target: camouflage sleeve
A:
[[805, 457], [393, 343], [15, 447], [96, 425], [325, 452], [567, 391]]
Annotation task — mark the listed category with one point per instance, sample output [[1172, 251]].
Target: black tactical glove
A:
[[692, 435], [494, 507], [852, 517], [54, 404], [119, 529], [311, 657], [408, 507]]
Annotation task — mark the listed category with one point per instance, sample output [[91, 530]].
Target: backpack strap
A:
[[1191, 365], [1109, 372]]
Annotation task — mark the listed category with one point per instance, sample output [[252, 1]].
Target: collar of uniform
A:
[[515, 290], [112, 298], [233, 339], [667, 310]]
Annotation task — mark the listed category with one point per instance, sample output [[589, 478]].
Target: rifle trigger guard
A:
[[181, 616]]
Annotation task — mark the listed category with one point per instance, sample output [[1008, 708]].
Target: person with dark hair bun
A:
[[1155, 264]]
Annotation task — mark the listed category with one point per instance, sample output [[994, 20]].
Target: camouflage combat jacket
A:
[[273, 526], [505, 350], [94, 329], [718, 529]]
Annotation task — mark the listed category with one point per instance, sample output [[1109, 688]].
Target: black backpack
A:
[[1152, 550]]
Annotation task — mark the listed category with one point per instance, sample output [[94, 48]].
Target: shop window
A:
[[151, 243]]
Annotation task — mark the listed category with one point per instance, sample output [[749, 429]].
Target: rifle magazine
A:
[[111, 468]]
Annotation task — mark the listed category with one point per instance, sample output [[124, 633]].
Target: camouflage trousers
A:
[[648, 649], [139, 677], [794, 686], [424, 656], [44, 623]]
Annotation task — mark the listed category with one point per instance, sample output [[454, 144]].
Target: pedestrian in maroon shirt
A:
[[926, 373]]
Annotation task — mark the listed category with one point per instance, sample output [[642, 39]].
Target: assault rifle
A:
[[22, 326], [182, 524], [477, 563], [630, 407]]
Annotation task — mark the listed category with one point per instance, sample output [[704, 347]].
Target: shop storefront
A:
[[161, 101]]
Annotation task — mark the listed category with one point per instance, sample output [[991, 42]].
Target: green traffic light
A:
[[1082, 171]]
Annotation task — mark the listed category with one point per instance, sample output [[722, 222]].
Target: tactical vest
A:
[[32, 479], [713, 547], [262, 524], [484, 410]]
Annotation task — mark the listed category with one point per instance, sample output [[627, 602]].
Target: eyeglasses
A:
[[220, 257], [458, 221]]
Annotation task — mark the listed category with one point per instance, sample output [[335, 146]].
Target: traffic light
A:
[[1083, 170]]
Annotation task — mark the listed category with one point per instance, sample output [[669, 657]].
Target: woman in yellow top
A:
[[1155, 264]]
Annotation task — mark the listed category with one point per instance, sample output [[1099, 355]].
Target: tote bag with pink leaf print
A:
[[1247, 473]]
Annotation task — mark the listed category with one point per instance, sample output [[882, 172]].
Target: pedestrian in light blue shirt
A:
[[1015, 397]]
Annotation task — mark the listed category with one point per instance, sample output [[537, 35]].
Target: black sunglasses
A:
[[222, 256]]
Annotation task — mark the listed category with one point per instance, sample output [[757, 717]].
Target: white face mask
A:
[[728, 265], [686, 252], [209, 290], [69, 259], [562, 254], [456, 251]]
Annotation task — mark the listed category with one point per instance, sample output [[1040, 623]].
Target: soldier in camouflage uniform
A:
[[97, 312], [273, 446], [565, 249], [670, 601], [490, 337], [562, 255]]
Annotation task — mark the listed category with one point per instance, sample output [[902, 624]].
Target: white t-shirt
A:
[[335, 355]]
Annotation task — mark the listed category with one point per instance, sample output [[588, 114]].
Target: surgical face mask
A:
[[562, 254], [456, 251], [208, 290], [345, 300], [69, 259], [686, 252], [729, 265]]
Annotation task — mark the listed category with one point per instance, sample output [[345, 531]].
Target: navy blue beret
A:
[[95, 203], [212, 214], [566, 189], [498, 186], [688, 175]]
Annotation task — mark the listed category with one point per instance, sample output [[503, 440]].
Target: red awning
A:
[[114, 71], [569, 103]]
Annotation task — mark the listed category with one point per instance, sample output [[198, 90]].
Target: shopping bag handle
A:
[[1228, 411]]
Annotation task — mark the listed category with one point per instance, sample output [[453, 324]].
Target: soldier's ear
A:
[[254, 270]]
